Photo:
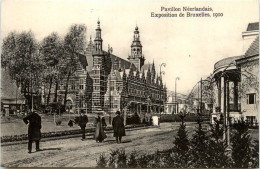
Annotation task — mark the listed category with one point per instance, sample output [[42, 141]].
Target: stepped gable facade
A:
[[120, 84]]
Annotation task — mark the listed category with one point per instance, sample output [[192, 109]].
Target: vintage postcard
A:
[[130, 84]]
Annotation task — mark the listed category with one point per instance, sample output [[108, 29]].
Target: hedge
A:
[[59, 133], [176, 118]]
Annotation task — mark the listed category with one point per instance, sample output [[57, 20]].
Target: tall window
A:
[[81, 86], [251, 98], [73, 85]]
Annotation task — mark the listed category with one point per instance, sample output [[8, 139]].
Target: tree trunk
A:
[[28, 94], [48, 98], [56, 91], [66, 88]]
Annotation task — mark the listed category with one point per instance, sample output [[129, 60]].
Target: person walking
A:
[[33, 120], [83, 120], [118, 126], [100, 123]]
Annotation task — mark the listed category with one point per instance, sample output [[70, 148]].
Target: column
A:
[[227, 111], [223, 105], [235, 96], [219, 94]]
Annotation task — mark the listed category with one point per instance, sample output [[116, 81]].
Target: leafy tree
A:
[[74, 43], [53, 56], [20, 55]]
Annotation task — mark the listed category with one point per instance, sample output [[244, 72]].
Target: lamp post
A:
[[161, 72], [176, 102]]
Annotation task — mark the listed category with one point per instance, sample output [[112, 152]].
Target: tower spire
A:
[[98, 40], [136, 56]]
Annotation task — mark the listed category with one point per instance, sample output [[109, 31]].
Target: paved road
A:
[[76, 153]]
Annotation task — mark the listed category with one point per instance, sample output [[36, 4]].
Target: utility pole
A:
[[176, 102], [161, 85], [110, 100], [201, 96], [110, 51], [198, 99]]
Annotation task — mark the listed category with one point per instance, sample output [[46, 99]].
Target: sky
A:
[[190, 46]]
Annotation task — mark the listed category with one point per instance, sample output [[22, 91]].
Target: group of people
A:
[[100, 123], [33, 120]]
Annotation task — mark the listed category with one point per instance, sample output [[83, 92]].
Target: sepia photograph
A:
[[129, 84]]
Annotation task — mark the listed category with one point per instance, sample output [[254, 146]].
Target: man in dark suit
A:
[[118, 126], [33, 120], [83, 120]]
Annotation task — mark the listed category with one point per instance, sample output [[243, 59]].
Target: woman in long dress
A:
[[100, 135]]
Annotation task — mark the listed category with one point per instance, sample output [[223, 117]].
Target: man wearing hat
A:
[[83, 120], [33, 120], [118, 126]]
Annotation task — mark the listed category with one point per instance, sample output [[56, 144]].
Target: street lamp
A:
[[161, 72], [176, 103]]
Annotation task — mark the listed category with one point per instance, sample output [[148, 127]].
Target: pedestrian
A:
[[100, 123], [119, 127], [82, 121], [33, 120]]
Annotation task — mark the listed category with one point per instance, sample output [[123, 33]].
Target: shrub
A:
[[132, 161], [199, 144], [241, 142], [102, 161], [143, 161], [217, 151], [134, 119], [58, 122], [255, 154], [121, 162], [181, 141], [113, 158], [205, 150]]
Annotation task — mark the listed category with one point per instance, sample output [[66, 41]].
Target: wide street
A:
[[76, 153]]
